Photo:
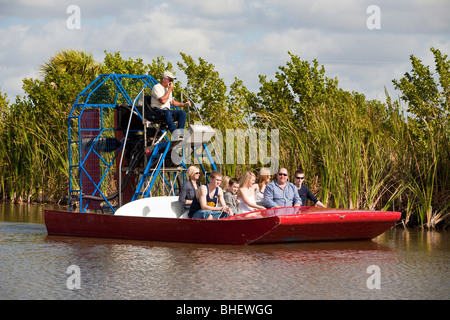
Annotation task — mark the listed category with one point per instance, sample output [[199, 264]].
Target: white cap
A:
[[168, 74]]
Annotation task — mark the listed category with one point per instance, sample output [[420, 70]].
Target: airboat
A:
[[125, 170]]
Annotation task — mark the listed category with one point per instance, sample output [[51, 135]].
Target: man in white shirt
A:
[[162, 99]]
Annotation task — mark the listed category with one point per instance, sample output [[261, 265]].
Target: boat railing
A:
[[125, 141], [197, 111], [186, 95]]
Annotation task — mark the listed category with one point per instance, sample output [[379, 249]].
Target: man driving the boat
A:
[[204, 205], [281, 192], [162, 99]]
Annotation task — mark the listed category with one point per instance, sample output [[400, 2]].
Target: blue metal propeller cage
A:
[[94, 151]]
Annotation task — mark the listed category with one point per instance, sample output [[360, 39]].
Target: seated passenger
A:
[[303, 191], [162, 99], [224, 183], [190, 187], [230, 195], [262, 180], [281, 193], [208, 196], [246, 193]]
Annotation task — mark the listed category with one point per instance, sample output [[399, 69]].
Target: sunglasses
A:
[[283, 174], [301, 178]]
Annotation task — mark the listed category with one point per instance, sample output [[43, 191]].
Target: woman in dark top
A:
[[303, 190], [189, 188]]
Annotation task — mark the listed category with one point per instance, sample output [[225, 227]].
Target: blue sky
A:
[[242, 38]]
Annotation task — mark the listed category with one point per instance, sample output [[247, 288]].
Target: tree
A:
[[114, 63], [428, 104], [427, 99], [73, 62], [4, 102], [220, 109], [298, 87]]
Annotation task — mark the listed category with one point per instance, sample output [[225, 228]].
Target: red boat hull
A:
[[293, 224], [314, 224]]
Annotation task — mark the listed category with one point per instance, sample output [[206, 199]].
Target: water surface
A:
[[413, 264]]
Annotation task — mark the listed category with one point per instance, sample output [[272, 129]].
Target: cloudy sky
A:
[[242, 38]]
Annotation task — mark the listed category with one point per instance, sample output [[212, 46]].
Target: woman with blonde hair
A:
[[262, 181], [224, 184], [189, 188], [246, 193]]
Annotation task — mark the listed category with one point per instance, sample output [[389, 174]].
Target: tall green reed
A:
[[33, 155]]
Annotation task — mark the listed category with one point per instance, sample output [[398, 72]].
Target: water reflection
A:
[[21, 213], [419, 239], [413, 264]]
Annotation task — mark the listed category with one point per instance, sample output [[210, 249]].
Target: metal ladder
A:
[[143, 189]]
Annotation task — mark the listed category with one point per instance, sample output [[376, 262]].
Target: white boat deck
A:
[[155, 207]]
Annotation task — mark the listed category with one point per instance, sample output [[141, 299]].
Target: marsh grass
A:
[[348, 152], [33, 156], [428, 195]]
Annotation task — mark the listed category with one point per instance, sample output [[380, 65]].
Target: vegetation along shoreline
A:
[[356, 153]]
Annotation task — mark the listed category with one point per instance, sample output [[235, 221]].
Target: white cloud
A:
[[243, 38], [215, 8]]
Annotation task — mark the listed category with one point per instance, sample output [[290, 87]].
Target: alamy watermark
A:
[[74, 280], [74, 20], [234, 146], [374, 281], [374, 20]]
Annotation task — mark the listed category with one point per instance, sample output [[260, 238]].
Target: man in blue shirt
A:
[[281, 193]]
